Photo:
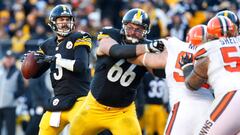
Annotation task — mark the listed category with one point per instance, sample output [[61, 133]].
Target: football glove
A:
[[155, 46], [40, 58], [25, 56], [186, 60]]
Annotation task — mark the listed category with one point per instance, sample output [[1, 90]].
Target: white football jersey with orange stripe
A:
[[174, 75], [224, 77], [224, 55], [186, 106]]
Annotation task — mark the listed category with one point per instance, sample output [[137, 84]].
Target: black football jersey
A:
[[154, 89], [66, 82], [115, 80]]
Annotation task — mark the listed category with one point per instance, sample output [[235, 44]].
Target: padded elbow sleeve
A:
[[123, 51]]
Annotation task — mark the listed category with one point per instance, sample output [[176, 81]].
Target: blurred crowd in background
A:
[[23, 26], [23, 23]]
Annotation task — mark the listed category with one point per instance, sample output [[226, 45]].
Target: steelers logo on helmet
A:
[[135, 25], [61, 28]]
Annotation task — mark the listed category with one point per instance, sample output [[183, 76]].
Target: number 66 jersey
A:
[[115, 80]]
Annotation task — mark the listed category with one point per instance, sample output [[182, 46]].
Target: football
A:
[[29, 66]]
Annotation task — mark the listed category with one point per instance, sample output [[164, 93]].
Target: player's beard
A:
[[132, 40], [64, 28]]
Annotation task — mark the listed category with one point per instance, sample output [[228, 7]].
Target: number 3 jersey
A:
[[224, 66], [115, 80], [75, 46], [174, 74]]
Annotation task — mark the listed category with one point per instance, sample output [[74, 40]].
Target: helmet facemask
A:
[[135, 25], [62, 29], [61, 20], [138, 35]]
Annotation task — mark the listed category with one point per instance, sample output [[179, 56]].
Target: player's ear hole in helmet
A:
[[67, 25], [138, 17], [220, 26], [197, 35], [232, 16]]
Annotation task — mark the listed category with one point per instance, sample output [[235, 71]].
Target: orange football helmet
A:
[[221, 26], [197, 35], [231, 15]]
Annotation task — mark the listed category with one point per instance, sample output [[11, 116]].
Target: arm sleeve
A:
[[80, 62], [81, 59], [123, 51], [20, 86]]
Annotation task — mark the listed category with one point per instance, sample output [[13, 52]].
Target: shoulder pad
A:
[[82, 38], [108, 32], [80, 34]]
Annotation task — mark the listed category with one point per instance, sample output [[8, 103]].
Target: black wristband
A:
[[123, 51]]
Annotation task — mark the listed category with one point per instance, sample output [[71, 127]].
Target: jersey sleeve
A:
[[40, 50], [83, 39], [43, 47], [108, 32], [169, 44], [201, 52]]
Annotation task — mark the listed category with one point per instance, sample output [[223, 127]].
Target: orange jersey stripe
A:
[[199, 53], [174, 114], [222, 105], [205, 85]]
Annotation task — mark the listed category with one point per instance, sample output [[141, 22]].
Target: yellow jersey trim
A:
[[101, 36], [83, 41]]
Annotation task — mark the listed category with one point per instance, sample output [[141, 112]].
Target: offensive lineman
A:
[[109, 104]]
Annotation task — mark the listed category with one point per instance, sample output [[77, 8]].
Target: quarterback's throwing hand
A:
[[40, 58]]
